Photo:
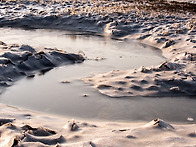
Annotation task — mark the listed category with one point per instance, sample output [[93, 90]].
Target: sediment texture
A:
[[170, 26], [22, 128], [17, 61]]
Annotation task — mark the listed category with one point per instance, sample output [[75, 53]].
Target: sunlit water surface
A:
[[46, 93]]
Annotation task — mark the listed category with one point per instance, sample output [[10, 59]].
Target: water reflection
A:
[[47, 93]]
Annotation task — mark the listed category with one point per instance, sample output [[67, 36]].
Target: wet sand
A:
[[168, 28]]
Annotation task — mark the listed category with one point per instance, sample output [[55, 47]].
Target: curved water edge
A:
[[76, 99]]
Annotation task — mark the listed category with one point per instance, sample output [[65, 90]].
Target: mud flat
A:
[[20, 127], [171, 31], [168, 28]]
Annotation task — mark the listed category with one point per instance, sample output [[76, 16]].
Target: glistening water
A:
[[46, 93]]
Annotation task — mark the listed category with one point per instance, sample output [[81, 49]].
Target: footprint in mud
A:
[[131, 137], [192, 134], [51, 140], [39, 135], [102, 86], [27, 116], [38, 131]]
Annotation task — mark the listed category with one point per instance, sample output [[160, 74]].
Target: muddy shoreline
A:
[[174, 33]]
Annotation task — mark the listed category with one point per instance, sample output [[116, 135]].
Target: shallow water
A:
[[47, 94]]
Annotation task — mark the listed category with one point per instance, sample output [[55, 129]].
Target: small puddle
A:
[[46, 93]]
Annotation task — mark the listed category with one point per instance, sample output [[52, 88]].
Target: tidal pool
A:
[[46, 93]]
